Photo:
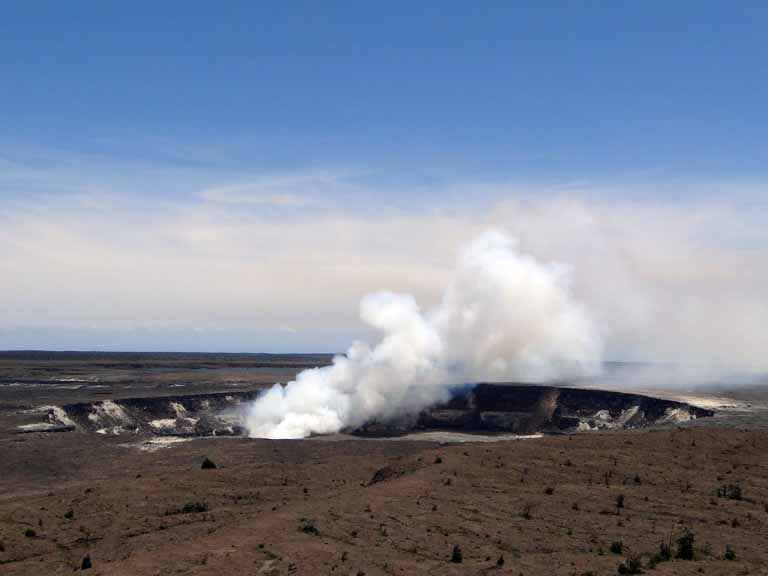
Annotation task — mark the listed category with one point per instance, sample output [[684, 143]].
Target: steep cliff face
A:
[[481, 408], [529, 409], [182, 415]]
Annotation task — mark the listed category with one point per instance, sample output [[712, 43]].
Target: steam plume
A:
[[503, 316]]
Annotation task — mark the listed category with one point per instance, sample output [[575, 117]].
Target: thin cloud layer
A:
[[665, 281], [286, 190]]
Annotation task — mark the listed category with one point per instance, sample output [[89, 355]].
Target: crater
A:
[[499, 408], [527, 409], [216, 414]]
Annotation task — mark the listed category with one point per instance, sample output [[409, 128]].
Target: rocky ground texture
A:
[[591, 503]]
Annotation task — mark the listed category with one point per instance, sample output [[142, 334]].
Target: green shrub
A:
[[663, 555], [456, 556], [308, 527], [193, 507], [630, 566], [729, 491], [685, 546]]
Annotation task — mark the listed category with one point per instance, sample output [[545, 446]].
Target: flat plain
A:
[[574, 504]]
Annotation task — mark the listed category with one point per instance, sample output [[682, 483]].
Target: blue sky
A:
[[549, 89], [252, 139]]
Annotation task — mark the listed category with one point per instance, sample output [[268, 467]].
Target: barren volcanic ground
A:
[[570, 504]]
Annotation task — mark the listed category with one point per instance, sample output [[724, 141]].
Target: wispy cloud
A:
[[248, 194], [683, 279], [281, 190]]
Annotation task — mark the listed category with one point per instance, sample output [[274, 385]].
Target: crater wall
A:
[[481, 408]]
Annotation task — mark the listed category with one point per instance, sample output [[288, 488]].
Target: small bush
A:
[[526, 512], [685, 546], [438, 460], [456, 556], [500, 561], [69, 514], [617, 547], [729, 553], [208, 464], [30, 533], [663, 555], [549, 490], [193, 507], [620, 501], [630, 566], [86, 563], [729, 491], [308, 527]]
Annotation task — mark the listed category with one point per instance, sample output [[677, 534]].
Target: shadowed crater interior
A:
[[482, 408], [532, 409]]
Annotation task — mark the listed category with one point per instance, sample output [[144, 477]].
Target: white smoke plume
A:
[[503, 316]]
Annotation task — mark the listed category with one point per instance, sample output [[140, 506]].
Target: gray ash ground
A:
[[139, 503]]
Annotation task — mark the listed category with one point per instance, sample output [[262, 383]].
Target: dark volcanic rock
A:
[[482, 408], [394, 470], [530, 409]]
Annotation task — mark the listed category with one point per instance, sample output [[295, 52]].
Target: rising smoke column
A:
[[503, 316]]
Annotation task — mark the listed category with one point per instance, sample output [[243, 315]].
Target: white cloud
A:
[[666, 280], [253, 194], [282, 190]]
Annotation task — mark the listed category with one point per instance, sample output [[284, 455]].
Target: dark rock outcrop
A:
[[530, 409]]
